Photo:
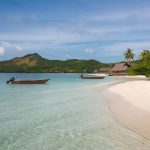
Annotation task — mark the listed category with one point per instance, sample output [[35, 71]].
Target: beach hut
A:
[[120, 69]]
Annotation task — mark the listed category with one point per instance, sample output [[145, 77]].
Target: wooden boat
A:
[[27, 81], [93, 76]]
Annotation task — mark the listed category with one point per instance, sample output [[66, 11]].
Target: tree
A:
[[129, 55], [142, 67], [144, 53]]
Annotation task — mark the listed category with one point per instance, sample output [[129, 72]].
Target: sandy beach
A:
[[129, 103]]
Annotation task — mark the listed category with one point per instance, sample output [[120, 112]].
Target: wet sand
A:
[[129, 103]]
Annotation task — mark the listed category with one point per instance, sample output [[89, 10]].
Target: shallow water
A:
[[66, 113]]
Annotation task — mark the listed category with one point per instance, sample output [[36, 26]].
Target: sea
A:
[[67, 113]]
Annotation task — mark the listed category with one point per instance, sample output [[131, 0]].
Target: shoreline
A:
[[128, 103]]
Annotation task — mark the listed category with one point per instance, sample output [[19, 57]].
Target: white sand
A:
[[132, 77], [130, 104], [136, 92]]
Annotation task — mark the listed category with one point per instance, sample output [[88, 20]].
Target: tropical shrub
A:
[[142, 67]]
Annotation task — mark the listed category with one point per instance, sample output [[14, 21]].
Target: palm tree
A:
[[144, 53], [129, 55]]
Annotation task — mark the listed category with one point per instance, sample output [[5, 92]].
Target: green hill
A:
[[36, 63]]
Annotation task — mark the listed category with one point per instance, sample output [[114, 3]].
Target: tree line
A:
[[141, 66]]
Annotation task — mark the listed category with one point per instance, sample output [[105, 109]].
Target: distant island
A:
[[34, 63]]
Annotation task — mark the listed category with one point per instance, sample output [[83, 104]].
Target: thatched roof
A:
[[120, 67]]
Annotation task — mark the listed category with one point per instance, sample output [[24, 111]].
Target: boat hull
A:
[[92, 76], [29, 81]]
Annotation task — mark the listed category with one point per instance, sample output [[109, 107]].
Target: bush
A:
[[142, 67]]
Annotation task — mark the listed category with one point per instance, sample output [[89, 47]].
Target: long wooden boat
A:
[[29, 81], [93, 76]]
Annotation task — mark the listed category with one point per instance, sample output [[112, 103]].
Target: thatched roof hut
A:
[[120, 69]]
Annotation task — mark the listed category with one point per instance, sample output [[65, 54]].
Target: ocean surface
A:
[[67, 113]]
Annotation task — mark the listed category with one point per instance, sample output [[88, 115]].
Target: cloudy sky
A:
[[65, 29]]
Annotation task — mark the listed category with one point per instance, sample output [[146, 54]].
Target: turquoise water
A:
[[67, 113]]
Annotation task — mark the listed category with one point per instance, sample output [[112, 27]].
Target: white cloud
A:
[[133, 45], [92, 27], [89, 51], [5, 46], [2, 51], [18, 48], [118, 49], [68, 56], [120, 15], [96, 27], [10, 46]]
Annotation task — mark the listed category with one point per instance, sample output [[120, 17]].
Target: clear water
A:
[[64, 114]]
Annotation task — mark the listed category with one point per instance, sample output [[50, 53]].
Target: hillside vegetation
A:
[[35, 63]]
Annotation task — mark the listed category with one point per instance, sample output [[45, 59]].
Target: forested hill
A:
[[35, 63]]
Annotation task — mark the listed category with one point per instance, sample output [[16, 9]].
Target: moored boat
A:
[[13, 81], [93, 76]]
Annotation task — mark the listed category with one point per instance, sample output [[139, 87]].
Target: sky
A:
[[66, 29]]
